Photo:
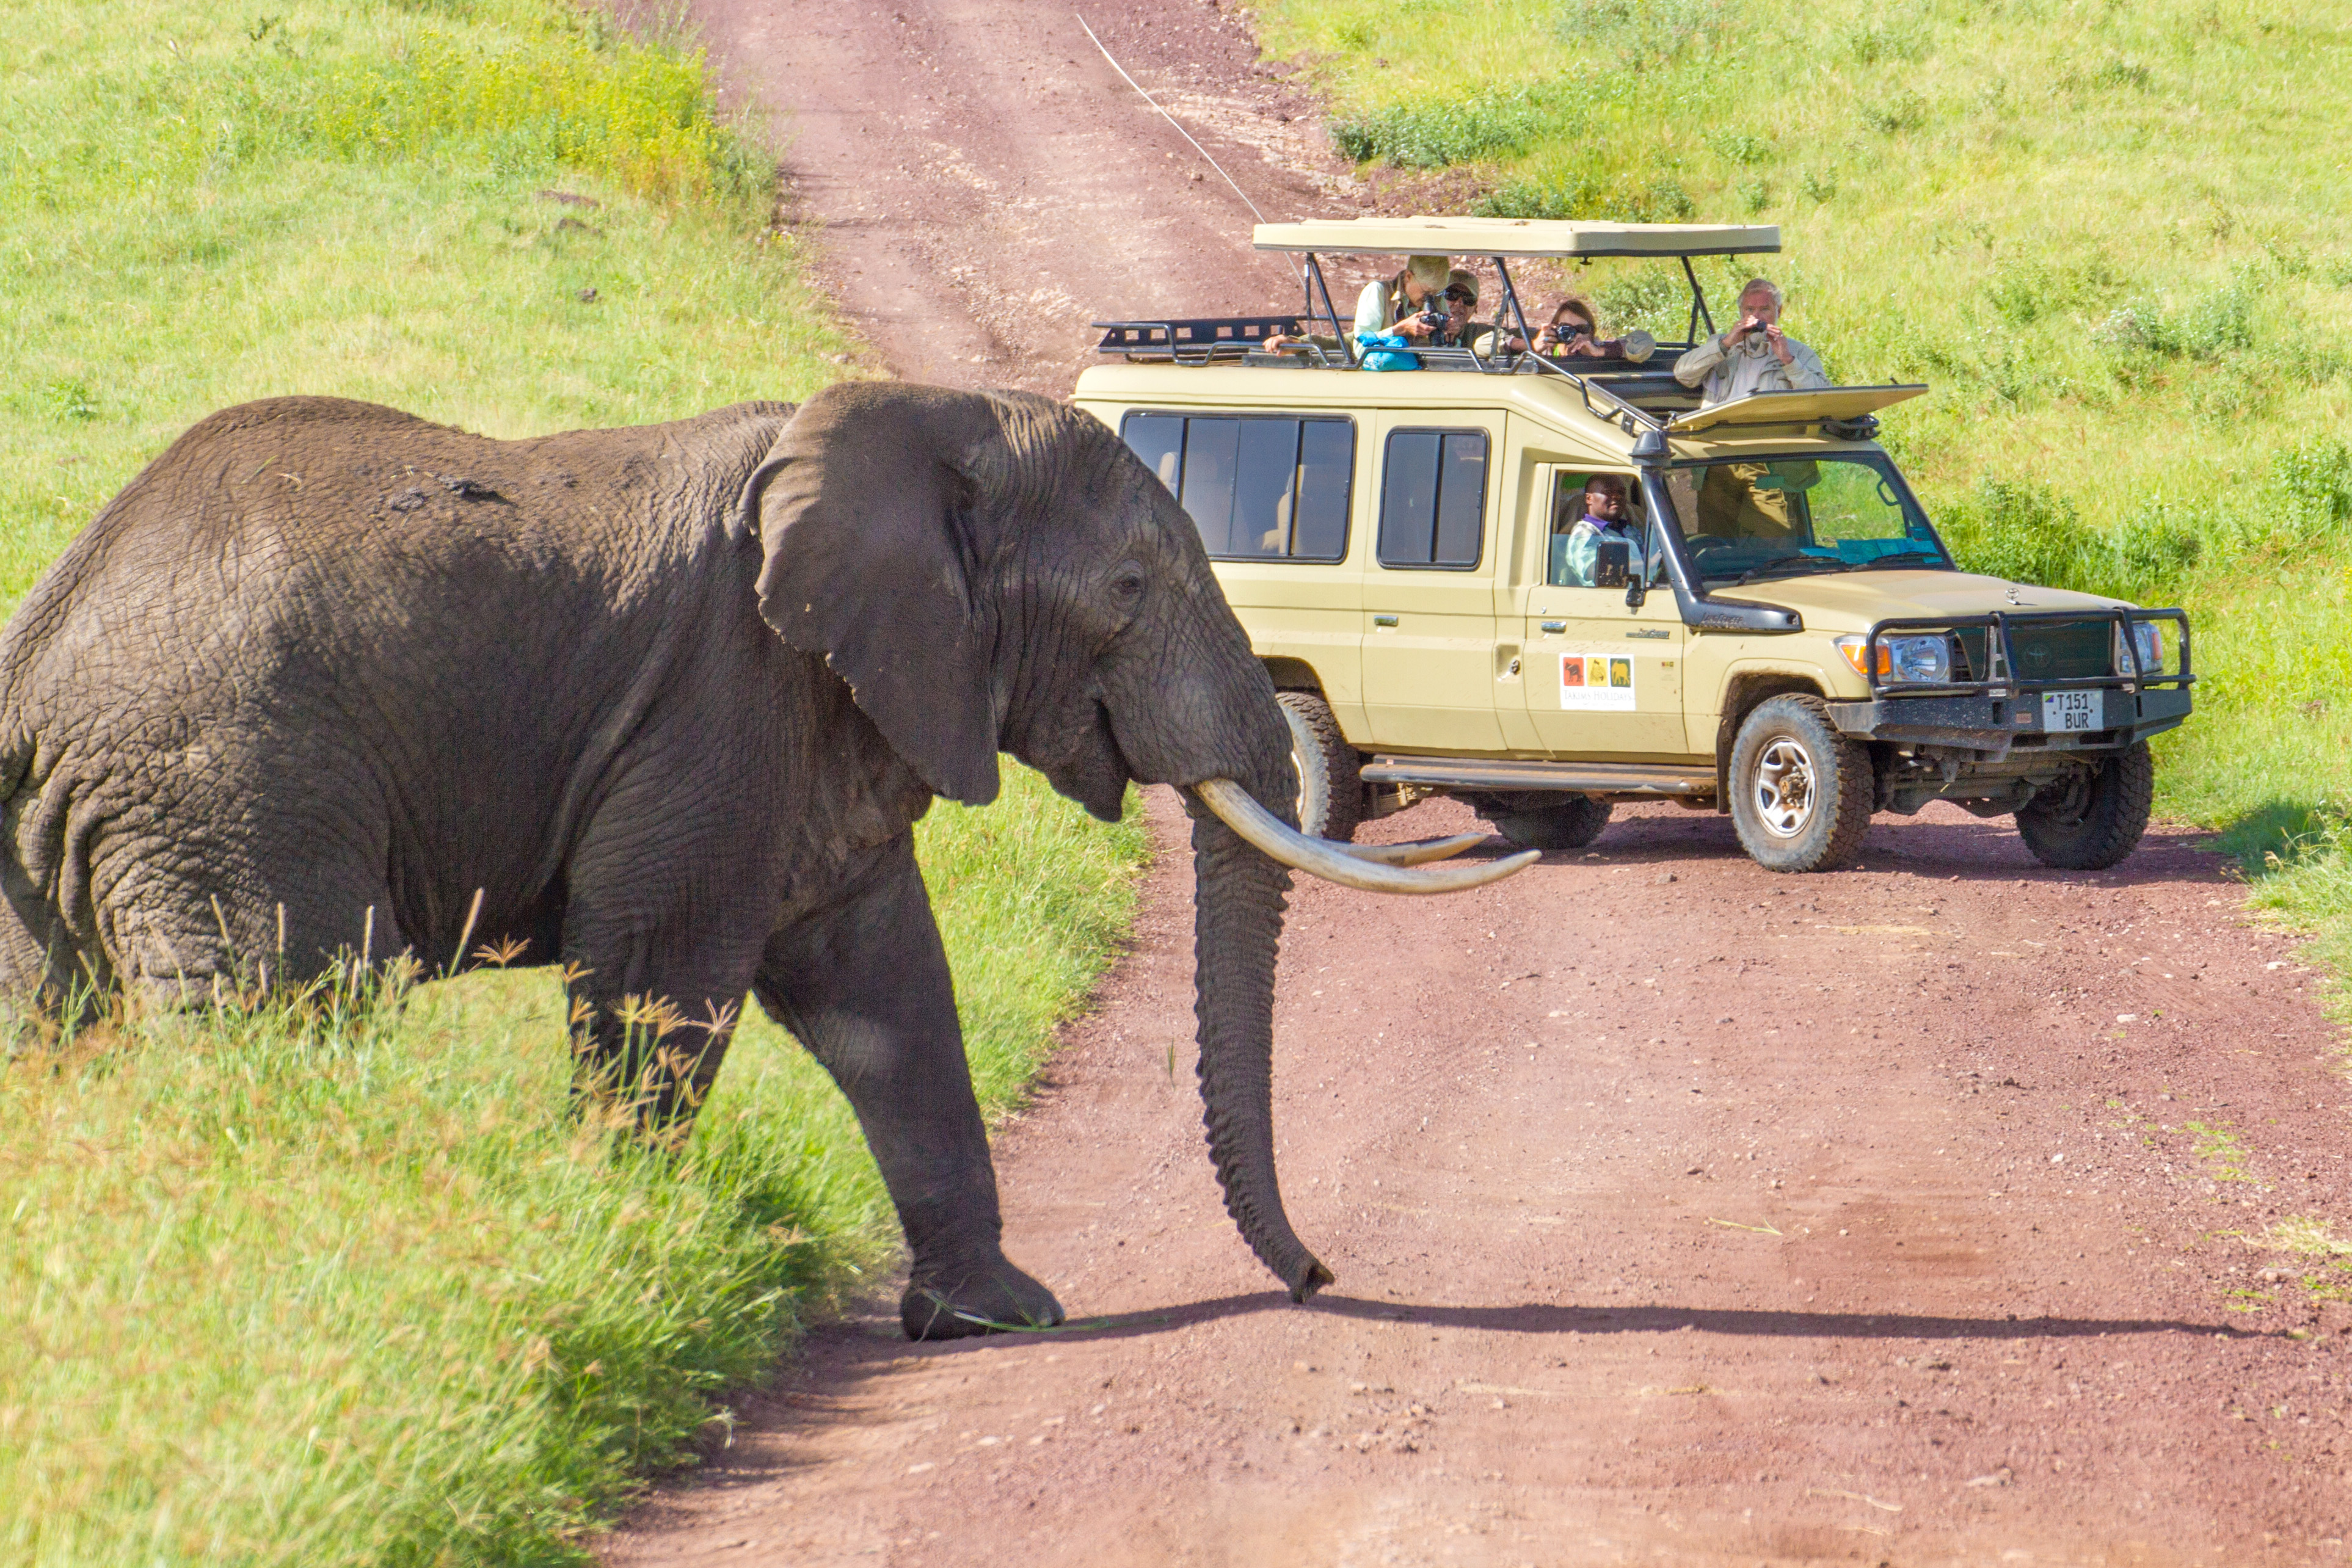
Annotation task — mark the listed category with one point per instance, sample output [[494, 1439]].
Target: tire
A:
[[1800, 792], [2098, 822], [1572, 823], [1330, 791]]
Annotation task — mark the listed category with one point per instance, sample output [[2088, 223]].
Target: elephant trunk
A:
[[1238, 902]]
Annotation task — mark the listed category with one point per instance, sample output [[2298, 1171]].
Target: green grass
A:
[[2114, 237], [349, 1286], [355, 1289], [197, 209]]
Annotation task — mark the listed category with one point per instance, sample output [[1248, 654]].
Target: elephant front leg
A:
[[865, 987]]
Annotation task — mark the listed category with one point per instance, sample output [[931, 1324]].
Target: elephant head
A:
[[998, 572]]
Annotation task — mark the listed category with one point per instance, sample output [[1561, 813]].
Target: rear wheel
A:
[[1565, 822], [1800, 792], [1330, 791], [2098, 818]]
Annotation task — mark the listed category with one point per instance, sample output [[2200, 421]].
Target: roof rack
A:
[[1608, 388], [1194, 341], [1521, 237]]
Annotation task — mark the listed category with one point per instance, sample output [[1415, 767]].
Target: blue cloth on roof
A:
[[1380, 351]]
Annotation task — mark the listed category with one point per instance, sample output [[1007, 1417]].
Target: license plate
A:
[[2064, 713]]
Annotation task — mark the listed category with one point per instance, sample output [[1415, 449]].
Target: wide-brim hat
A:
[[1430, 271]]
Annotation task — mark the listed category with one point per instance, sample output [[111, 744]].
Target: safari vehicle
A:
[[1801, 653]]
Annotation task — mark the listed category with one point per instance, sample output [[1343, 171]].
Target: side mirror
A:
[[1613, 566]]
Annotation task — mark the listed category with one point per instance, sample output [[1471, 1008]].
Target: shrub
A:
[[2157, 545], [1640, 34], [1738, 147], [2314, 482], [2023, 292], [1900, 110], [2217, 323], [2026, 532], [1872, 42], [1435, 135]]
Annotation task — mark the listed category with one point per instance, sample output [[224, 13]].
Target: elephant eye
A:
[[1126, 587]]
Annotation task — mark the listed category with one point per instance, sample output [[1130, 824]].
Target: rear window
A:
[[1433, 498], [1259, 488]]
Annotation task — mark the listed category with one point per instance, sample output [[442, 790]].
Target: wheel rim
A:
[[1785, 788], [1298, 771]]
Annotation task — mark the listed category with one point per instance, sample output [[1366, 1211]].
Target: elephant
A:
[[660, 705]]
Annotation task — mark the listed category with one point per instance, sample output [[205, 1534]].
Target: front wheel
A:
[[1330, 791], [2096, 819], [1800, 792]]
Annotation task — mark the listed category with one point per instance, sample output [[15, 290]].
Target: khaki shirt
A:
[[1729, 373]]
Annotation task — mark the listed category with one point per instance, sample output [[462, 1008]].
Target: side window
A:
[[1433, 498], [1565, 568], [1257, 487]]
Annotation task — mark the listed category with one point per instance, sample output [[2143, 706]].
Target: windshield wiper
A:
[[1817, 562], [1930, 557]]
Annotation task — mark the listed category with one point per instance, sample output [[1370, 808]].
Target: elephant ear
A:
[[867, 509]]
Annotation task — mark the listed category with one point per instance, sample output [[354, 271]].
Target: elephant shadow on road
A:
[[1545, 1317]]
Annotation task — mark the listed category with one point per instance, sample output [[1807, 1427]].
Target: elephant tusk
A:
[[1420, 852], [1235, 807]]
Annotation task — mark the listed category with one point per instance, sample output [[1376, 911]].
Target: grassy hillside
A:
[[343, 1284], [2115, 237]]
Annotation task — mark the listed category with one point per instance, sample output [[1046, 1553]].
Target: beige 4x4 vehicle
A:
[[1803, 653]]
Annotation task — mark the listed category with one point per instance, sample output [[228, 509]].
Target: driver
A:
[[1576, 556]]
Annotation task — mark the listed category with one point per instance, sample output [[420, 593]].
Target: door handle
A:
[[1384, 619], [1651, 631], [1555, 625]]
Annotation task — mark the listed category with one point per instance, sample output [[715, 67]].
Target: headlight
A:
[[1917, 661], [1926, 661], [2147, 638]]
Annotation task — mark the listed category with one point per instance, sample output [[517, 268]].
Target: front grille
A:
[[1972, 664], [2061, 650]]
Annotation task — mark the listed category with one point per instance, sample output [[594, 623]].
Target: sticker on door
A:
[[1596, 681]]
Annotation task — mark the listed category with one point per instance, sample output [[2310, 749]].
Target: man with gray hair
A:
[[1755, 356]]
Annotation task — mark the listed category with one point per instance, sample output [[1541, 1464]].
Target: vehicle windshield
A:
[[1794, 517]]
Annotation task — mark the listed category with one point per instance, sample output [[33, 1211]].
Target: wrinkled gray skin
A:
[[672, 697]]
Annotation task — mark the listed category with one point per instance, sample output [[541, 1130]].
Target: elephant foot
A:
[[981, 1298]]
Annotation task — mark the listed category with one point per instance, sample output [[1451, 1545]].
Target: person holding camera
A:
[[1405, 306], [1574, 332], [1753, 356]]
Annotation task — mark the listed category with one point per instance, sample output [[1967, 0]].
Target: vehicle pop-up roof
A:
[[1647, 392]]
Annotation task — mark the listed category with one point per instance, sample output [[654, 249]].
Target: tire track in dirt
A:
[[984, 184], [1926, 1213], [1679, 1210]]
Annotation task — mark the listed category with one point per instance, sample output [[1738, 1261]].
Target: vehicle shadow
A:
[[1549, 1318], [1941, 842]]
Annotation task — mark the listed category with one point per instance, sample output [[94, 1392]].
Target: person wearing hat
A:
[[1401, 304]]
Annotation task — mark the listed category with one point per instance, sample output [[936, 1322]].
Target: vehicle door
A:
[[1602, 680], [1429, 638]]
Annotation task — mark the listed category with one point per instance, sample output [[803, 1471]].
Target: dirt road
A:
[[1681, 1213], [985, 185], [1937, 1211]]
